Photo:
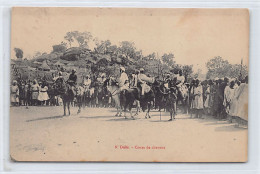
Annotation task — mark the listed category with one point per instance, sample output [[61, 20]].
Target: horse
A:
[[113, 88], [126, 98], [64, 90], [147, 101]]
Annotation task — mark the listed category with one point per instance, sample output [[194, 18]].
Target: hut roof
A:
[[58, 63], [45, 66]]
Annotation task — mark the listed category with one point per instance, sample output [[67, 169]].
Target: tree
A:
[[69, 37], [187, 71], [218, 67], [238, 71], [18, 53], [168, 59], [81, 37], [103, 46], [127, 48]]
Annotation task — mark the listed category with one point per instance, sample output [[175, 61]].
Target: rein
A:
[[113, 93]]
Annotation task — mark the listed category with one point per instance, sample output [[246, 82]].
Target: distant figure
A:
[[14, 94], [207, 98], [198, 99], [35, 92], [43, 95], [26, 93]]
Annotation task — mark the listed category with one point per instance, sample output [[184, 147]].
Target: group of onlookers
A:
[[29, 93], [222, 98]]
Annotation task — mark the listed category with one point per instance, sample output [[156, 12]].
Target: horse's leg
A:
[[117, 111], [64, 107], [148, 109], [79, 105], [174, 109], [170, 115], [68, 107]]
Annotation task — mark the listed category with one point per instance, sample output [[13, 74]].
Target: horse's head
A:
[[112, 81]]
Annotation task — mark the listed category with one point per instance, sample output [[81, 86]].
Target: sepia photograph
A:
[[129, 84]]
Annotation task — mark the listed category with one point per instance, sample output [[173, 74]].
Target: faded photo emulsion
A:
[[129, 84]]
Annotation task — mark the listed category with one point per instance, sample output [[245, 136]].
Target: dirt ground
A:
[[43, 134]]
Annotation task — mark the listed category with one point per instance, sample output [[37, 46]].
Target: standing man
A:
[[14, 94]]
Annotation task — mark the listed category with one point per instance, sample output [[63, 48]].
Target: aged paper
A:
[[129, 85]]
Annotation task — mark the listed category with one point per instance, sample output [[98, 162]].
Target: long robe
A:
[[14, 94], [207, 96], [239, 104], [198, 99], [228, 97]]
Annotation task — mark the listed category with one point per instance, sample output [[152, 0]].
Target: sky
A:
[[193, 35]]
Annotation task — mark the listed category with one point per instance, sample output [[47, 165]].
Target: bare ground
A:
[[43, 134]]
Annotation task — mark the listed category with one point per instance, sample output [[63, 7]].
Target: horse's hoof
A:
[[145, 117], [125, 117], [133, 118], [170, 120]]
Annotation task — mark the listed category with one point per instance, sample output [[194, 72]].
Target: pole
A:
[[241, 66]]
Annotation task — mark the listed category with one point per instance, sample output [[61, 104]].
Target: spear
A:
[[241, 66]]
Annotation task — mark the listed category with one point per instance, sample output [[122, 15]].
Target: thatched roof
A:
[[58, 63], [45, 66]]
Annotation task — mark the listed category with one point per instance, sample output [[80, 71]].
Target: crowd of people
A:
[[223, 98]]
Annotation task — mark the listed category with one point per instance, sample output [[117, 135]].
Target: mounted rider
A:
[[72, 81], [182, 88], [143, 80], [123, 81], [86, 84]]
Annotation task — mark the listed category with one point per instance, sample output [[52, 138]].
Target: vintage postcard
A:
[[129, 84]]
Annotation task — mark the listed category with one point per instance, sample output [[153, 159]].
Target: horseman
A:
[[72, 81], [180, 84], [167, 80], [123, 81], [86, 83], [143, 80], [58, 78]]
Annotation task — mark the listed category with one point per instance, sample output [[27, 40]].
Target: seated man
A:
[[143, 80], [72, 81], [182, 89], [86, 85], [59, 83], [123, 81]]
